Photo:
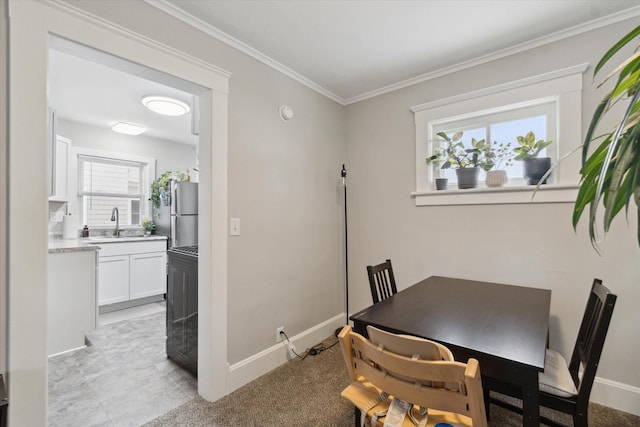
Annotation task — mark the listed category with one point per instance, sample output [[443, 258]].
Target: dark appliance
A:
[[177, 216], [182, 307]]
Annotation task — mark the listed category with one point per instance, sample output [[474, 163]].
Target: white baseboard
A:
[[259, 364], [613, 394]]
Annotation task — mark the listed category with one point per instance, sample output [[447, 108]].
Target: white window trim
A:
[[562, 86], [75, 203]]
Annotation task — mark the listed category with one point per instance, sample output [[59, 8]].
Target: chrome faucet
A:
[[115, 216]]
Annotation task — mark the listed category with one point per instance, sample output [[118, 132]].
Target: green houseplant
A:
[[148, 225], [611, 172], [160, 184], [528, 149], [467, 162]]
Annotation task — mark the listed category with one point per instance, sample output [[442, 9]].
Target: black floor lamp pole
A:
[[343, 173]]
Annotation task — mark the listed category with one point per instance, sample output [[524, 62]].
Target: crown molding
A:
[[63, 6], [177, 13], [199, 24], [522, 47]]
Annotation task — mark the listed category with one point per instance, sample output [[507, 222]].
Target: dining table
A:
[[504, 327]]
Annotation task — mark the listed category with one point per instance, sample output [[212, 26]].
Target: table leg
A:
[[530, 399]]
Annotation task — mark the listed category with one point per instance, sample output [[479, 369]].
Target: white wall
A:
[[169, 155], [530, 245]]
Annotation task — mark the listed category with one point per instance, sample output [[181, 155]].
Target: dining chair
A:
[[387, 367], [566, 388], [381, 281]]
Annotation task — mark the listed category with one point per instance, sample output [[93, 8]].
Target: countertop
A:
[[58, 245]]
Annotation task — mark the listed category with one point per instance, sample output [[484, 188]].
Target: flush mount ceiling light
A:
[[165, 105], [128, 128]]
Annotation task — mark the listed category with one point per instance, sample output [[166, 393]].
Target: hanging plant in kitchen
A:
[[160, 184]]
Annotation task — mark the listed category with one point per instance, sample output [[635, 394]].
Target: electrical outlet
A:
[[279, 336]]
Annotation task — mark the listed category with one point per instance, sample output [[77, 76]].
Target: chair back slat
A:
[[591, 337], [381, 281], [422, 382]]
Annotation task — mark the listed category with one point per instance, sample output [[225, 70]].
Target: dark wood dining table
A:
[[504, 327]]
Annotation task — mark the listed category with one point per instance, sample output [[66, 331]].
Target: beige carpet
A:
[[307, 393]]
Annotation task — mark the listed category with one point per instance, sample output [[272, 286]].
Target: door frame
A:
[[30, 25]]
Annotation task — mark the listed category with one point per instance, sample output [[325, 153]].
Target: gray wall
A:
[[285, 268], [530, 244]]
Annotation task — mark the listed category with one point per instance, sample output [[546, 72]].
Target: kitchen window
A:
[[549, 104], [117, 181]]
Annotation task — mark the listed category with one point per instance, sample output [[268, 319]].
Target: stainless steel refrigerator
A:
[[178, 214]]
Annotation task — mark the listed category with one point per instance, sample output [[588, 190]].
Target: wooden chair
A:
[[451, 391], [381, 281], [566, 388]]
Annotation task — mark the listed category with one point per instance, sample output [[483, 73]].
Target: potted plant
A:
[[160, 184], [148, 225], [467, 162], [610, 173], [499, 156], [534, 167]]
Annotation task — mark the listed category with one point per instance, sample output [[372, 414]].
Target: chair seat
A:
[[556, 378], [361, 392]]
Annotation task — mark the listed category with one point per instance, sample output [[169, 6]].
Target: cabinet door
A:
[[148, 275], [59, 172], [113, 279]]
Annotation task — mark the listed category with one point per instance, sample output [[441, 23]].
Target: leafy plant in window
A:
[[455, 155], [160, 184], [611, 173], [528, 146], [147, 224], [466, 161], [535, 168]]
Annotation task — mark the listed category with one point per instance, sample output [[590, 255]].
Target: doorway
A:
[[89, 92], [30, 25]]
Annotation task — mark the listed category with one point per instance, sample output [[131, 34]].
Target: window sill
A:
[[498, 195]]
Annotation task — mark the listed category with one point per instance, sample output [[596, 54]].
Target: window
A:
[[503, 127], [105, 183], [548, 104]]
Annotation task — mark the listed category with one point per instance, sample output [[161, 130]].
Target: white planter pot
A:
[[497, 178]]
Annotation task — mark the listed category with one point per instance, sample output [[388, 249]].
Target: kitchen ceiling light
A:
[[165, 105], [128, 128]]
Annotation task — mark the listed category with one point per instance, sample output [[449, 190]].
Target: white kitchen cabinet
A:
[[131, 271], [59, 169], [113, 279], [148, 274], [71, 299]]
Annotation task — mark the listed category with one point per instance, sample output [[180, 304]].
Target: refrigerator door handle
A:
[[174, 241], [176, 200]]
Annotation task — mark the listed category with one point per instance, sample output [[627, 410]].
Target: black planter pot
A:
[[467, 177], [535, 168]]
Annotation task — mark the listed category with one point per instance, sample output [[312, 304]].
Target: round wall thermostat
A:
[[286, 113]]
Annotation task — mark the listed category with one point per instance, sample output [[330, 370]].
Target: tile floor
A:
[[123, 379]]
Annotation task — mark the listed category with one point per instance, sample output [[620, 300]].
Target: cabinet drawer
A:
[[128, 248]]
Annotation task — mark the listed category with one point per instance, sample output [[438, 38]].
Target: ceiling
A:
[[348, 50], [354, 48]]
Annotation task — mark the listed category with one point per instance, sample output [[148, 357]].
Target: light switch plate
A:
[[234, 227]]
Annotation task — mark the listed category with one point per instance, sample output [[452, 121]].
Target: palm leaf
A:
[[616, 47]]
